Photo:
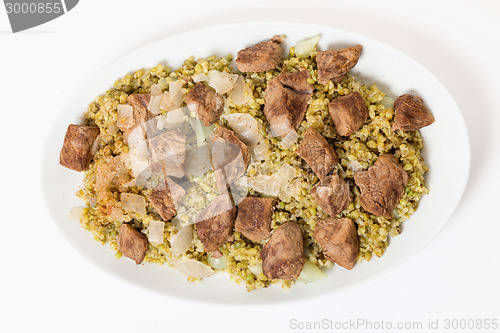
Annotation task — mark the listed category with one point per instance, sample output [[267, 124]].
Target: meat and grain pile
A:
[[157, 187]]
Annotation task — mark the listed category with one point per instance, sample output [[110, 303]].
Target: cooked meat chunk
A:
[[410, 113], [316, 151], [206, 103], [215, 224], [230, 157], [166, 198], [254, 218], [168, 153], [139, 103], [261, 57], [348, 113], [334, 64], [332, 194], [339, 240], [131, 243], [283, 255], [286, 98], [141, 117], [382, 186], [76, 152]]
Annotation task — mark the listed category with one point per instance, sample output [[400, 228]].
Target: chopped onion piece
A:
[[165, 101], [96, 145], [387, 102], [200, 77], [177, 95], [217, 263], [293, 187], [304, 48], [289, 139], [154, 104], [156, 90], [285, 174], [198, 130], [241, 93], [222, 82], [155, 232], [192, 268], [198, 161], [354, 166], [281, 128], [133, 202], [264, 184], [260, 152], [245, 126], [256, 269], [310, 273], [76, 214], [125, 119], [182, 240]]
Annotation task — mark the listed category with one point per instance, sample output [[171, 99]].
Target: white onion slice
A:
[[217, 263], [260, 152], [176, 94], [289, 139], [156, 90], [256, 269], [222, 82], [96, 145], [241, 93], [304, 48], [285, 174], [76, 214], [182, 240], [245, 126], [311, 273], [125, 119], [264, 184], [200, 77], [192, 268], [155, 232], [133, 202], [293, 187], [354, 166], [154, 104]]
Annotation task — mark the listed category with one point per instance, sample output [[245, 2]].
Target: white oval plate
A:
[[446, 144]]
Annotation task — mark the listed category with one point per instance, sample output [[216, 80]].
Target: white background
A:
[[45, 285]]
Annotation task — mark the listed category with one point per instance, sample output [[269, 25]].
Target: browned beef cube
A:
[[283, 256], [230, 157], [76, 153], [206, 103], [382, 186], [261, 57], [332, 194], [139, 103], [132, 243], [254, 218], [411, 114], [339, 240], [215, 224], [168, 153], [316, 151], [286, 97], [166, 198], [140, 114], [334, 64], [348, 113]]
